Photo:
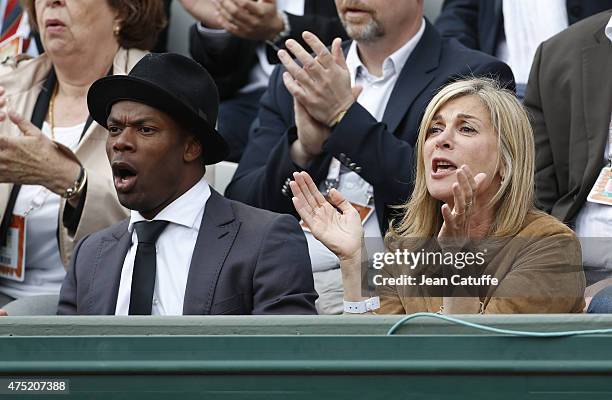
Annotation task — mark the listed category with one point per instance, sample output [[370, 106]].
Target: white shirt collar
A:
[[609, 29], [392, 64], [185, 211]]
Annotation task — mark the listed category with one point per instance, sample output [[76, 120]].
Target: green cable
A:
[[492, 329]]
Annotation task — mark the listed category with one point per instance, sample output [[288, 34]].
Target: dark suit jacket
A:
[[162, 41], [479, 24], [231, 63], [245, 261], [569, 97], [381, 152]]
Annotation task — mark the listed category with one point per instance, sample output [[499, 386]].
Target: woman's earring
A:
[[117, 30]]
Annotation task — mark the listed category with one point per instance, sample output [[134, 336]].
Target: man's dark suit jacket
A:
[[231, 63], [381, 152], [245, 261], [569, 97], [479, 24]]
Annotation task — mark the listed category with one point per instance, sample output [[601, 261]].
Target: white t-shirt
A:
[[527, 23]]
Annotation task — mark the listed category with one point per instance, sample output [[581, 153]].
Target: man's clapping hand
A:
[[323, 83]]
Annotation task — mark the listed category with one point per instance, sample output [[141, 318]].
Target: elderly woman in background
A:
[[56, 183], [473, 190]]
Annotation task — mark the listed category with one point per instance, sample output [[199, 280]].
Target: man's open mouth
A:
[[124, 176]]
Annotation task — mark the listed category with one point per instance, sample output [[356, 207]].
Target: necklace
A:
[[52, 111]]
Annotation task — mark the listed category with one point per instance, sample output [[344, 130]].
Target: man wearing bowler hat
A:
[[185, 249]]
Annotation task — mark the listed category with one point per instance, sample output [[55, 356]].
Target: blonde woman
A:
[[473, 191]]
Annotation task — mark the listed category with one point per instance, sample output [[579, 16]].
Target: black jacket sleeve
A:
[[459, 19]]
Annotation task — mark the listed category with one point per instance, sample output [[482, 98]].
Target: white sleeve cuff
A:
[[212, 32], [362, 307]]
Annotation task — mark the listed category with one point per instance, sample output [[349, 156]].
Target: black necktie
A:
[[145, 266]]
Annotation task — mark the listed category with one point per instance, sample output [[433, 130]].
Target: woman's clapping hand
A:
[[335, 223]]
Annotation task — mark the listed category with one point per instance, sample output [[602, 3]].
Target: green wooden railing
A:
[[345, 357]]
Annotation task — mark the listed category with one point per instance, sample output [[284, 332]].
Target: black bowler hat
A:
[[171, 83]]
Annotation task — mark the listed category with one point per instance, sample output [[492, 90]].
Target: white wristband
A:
[[362, 307]]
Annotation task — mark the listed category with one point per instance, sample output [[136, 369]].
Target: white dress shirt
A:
[[528, 23], [44, 270], [174, 248], [374, 98], [260, 73], [594, 221]]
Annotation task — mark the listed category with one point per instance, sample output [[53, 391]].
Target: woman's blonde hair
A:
[[422, 217]]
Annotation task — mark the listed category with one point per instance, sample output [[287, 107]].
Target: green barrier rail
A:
[[344, 357]]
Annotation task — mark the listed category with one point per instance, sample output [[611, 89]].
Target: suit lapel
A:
[[217, 233], [498, 9], [597, 100], [107, 271], [414, 77]]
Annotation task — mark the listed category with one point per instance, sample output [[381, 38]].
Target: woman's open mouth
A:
[[441, 168]]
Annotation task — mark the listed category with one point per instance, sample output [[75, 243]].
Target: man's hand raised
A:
[[323, 83]]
